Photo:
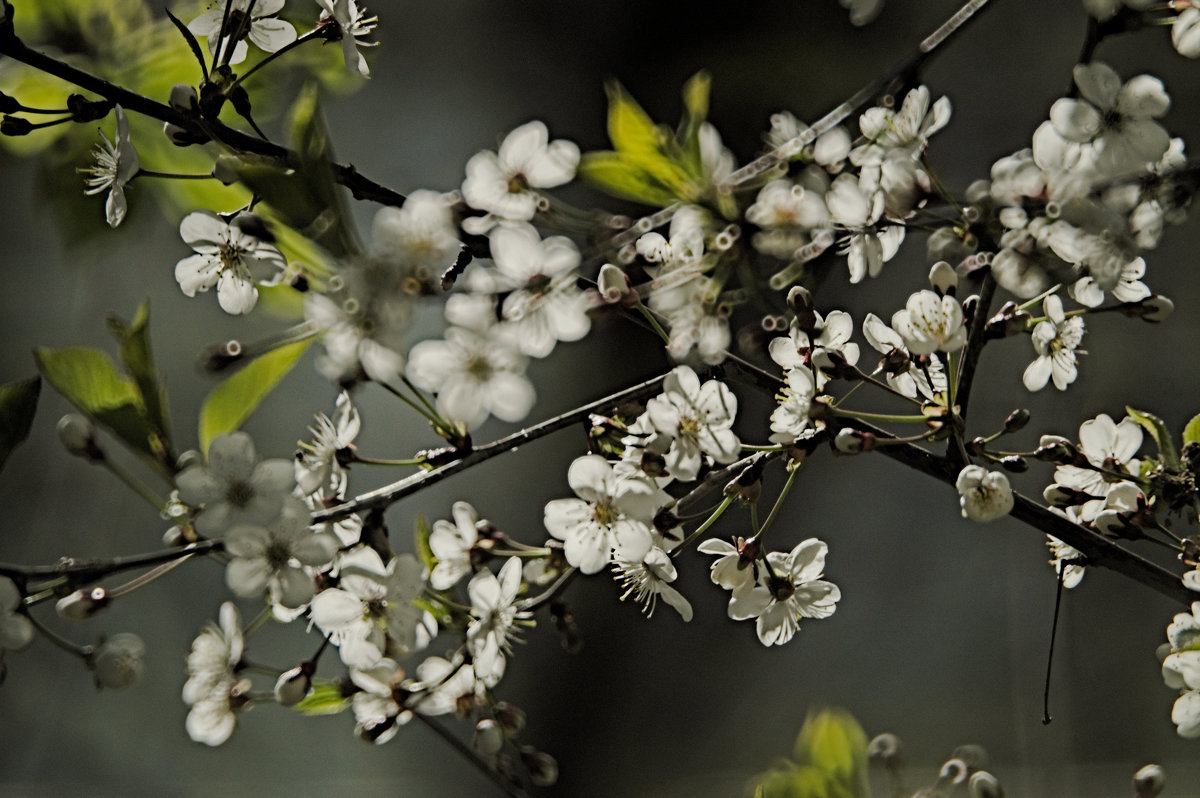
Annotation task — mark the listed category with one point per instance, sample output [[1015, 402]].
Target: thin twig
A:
[[389, 494], [361, 187], [81, 572], [458, 745]]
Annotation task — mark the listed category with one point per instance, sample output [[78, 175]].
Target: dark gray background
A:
[[942, 632]]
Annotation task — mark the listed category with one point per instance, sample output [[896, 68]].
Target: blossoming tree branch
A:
[[1059, 236]]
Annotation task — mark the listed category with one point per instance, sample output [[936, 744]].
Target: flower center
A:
[[239, 493]]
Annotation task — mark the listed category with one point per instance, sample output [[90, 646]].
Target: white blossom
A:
[[213, 690], [930, 323], [791, 588], [611, 511], [16, 630], [353, 24], [274, 557], [504, 183], [452, 544], [229, 258], [116, 164], [493, 605], [697, 419], [1055, 339], [267, 33], [318, 465], [984, 495], [236, 486], [377, 714]]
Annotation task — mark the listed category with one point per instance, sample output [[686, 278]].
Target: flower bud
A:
[[489, 738], [612, 283], [78, 437], [1060, 496], [510, 717], [1016, 420], [184, 99], [82, 604], [984, 785], [1148, 782], [1014, 464], [943, 278], [1156, 308], [15, 126], [117, 663], [853, 441], [1056, 449], [542, 768], [293, 685]]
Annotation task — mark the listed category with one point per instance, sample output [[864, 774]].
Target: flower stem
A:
[[171, 176], [793, 469], [312, 34], [83, 652], [700, 530], [135, 485]]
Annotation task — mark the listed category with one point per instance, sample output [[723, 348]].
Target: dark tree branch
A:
[[360, 187], [82, 572]]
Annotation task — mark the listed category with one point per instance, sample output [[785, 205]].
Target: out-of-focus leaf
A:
[[613, 174], [232, 402], [325, 699], [310, 138], [1159, 432], [424, 552], [630, 129], [832, 742], [88, 378], [18, 402], [1191, 433], [695, 111], [136, 354]]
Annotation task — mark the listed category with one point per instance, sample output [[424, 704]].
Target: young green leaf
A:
[[138, 358], [1191, 433], [611, 172], [424, 552], [832, 742], [90, 381], [229, 404], [1159, 432], [325, 699], [18, 401]]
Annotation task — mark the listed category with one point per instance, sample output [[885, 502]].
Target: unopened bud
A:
[[15, 126], [82, 604], [943, 278], [1148, 782], [1156, 308], [853, 441], [800, 300], [84, 110], [510, 717], [1015, 464], [1056, 449], [188, 458], [542, 768], [117, 663], [78, 436], [984, 785], [254, 225], [293, 685], [489, 738], [1016, 420], [184, 99], [175, 537], [8, 104], [612, 283]]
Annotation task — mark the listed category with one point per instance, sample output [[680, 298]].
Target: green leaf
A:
[[1191, 433], [138, 358], [231, 403], [612, 173], [310, 138], [832, 742], [630, 129], [424, 552], [695, 111], [325, 699], [88, 378], [18, 401], [1158, 431]]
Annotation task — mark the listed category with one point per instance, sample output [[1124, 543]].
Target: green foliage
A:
[[228, 406], [305, 195], [1191, 433], [325, 699], [651, 164], [1161, 435], [133, 405], [138, 358], [830, 761], [18, 402], [424, 552]]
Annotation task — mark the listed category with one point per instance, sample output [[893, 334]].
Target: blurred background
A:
[[942, 633]]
